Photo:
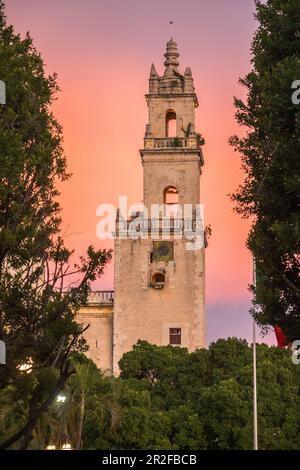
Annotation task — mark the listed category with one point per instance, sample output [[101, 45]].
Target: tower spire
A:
[[171, 63]]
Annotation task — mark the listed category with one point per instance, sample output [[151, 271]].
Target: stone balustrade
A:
[[168, 142], [101, 297]]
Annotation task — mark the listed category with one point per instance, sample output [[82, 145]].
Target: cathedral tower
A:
[[159, 279]]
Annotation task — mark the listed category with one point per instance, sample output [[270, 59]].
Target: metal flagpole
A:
[[255, 446]]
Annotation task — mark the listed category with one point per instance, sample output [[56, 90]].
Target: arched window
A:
[[171, 195], [171, 130], [171, 201]]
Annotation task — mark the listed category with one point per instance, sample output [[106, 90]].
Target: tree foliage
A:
[[270, 154], [168, 398], [41, 288]]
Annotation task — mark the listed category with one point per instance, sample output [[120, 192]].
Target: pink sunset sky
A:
[[102, 51]]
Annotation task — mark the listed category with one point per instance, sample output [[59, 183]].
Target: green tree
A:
[[270, 150], [208, 395], [187, 429], [198, 400], [71, 415], [41, 287], [225, 411]]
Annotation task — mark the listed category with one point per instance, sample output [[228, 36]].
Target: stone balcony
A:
[[183, 146], [161, 227], [169, 142], [100, 297]]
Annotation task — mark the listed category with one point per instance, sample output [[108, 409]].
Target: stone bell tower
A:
[[159, 279]]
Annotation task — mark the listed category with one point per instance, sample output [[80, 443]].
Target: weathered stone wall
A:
[[180, 169], [142, 312], [99, 334], [184, 107]]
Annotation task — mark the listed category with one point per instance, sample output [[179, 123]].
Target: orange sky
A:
[[102, 52]]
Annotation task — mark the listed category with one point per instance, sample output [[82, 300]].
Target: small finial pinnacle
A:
[[153, 73]]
